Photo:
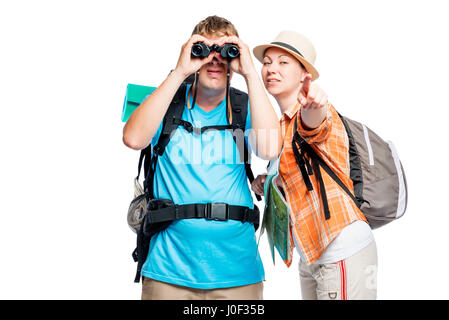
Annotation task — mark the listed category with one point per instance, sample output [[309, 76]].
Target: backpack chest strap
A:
[[190, 128]]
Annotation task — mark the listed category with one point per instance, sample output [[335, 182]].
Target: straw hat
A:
[[297, 45]]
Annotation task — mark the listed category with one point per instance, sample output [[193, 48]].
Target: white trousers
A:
[[354, 278]]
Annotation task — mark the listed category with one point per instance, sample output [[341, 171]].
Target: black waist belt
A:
[[161, 212], [210, 211]]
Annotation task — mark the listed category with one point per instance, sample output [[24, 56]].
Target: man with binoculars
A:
[[209, 252]]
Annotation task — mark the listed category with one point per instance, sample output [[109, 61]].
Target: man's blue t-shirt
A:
[[202, 168]]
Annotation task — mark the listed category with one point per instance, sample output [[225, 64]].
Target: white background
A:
[[66, 177]]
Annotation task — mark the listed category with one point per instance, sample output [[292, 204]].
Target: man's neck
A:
[[208, 99]]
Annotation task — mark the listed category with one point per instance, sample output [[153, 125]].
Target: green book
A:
[[276, 219], [135, 95]]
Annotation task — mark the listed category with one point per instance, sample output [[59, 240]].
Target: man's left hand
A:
[[243, 64]]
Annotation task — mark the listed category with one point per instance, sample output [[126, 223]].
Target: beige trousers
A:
[[354, 278], [157, 290]]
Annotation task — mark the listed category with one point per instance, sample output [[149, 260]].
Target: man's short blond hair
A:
[[215, 25]]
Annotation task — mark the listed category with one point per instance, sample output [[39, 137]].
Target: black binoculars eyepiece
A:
[[227, 51]]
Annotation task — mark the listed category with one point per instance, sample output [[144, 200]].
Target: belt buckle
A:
[[217, 211]]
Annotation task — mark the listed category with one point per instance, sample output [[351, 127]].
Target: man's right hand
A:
[[187, 64], [257, 185]]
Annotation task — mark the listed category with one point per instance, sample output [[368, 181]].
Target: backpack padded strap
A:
[[355, 165], [239, 106], [174, 112]]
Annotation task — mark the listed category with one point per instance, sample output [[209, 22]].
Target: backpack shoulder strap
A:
[[355, 163], [145, 158], [174, 110], [298, 143], [239, 107], [171, 119]]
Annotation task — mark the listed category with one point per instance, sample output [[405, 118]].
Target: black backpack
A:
[[149, 156]]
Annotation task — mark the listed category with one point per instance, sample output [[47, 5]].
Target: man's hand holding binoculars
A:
[[198, 51], [244, 64], [188, 64]]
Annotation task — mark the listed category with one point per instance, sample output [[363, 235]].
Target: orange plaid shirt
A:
[[313, 233]]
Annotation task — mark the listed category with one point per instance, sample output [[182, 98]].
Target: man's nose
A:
[[216, 61]]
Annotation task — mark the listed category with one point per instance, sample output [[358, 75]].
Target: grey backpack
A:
[[380, 187]]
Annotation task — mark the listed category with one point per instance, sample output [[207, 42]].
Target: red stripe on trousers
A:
[[343, 280]]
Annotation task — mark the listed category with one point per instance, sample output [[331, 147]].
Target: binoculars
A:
[[227, 51]]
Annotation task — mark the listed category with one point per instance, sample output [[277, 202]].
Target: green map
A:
[[276, 218]]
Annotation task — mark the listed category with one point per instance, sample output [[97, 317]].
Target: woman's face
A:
[[282, 73]]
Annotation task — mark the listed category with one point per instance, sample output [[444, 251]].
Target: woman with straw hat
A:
[[338, 255]]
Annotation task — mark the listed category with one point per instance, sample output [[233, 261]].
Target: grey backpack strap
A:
[[356, 173]]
